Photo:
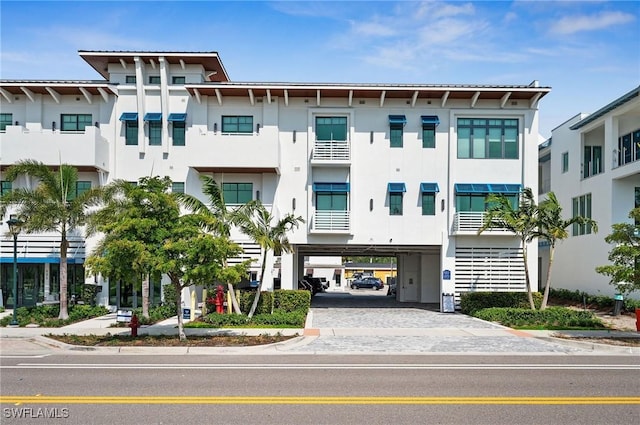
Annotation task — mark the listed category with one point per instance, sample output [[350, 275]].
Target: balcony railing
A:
[[468, 223], [331, 222], [334, 150]]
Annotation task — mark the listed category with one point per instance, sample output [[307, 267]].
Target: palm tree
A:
[[269, 237], [52, 206], [553, 228], [523, 221], [220, 219]]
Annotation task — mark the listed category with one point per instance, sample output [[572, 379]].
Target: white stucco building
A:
[[396, 170], [592, 164]]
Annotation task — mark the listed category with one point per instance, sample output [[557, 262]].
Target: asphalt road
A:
[[327, 389]]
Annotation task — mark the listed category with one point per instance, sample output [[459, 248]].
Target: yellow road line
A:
[[44, 399]]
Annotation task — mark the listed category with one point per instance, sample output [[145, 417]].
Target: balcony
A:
[[468, 222], [331, 222], [331, 153], [78, 148], [211, 152]]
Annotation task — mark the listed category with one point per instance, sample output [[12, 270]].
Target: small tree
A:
[[625, 256], [553, 228], [219, 219], [521, 220], [270, 237], [54, 205]]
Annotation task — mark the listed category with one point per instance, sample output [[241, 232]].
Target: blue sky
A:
[[588, 52]]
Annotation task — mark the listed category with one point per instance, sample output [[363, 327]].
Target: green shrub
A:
[[225, 320], [169, 295], [89, 293], [550, 318], [283, 300], [156, 314], [1, 309], [600, 302], [47, 315], [294, 319], [470, 302]]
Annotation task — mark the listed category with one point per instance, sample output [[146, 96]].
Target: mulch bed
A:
[[168, 340]]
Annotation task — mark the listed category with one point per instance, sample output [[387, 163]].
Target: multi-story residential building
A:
[[592, 164], [398, 170]]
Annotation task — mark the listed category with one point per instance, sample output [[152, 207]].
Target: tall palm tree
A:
[[269, 237], [521, 220], [52, 206], [220, 217], [553, 228]]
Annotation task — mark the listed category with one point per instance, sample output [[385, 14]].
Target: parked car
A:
[[367, 282]]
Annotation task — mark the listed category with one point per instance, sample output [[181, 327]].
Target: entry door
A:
[[409, 286], [28, 278]]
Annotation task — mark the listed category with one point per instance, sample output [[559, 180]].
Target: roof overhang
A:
[[231, 170], [412, 93], [87, 89], [100, 60], [608, 108]]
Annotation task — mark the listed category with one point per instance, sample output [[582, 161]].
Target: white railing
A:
[[331, 150], [334, 221], [468, 222]]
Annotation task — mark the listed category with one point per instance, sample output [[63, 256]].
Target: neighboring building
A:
[[592, 164], [397, 170]]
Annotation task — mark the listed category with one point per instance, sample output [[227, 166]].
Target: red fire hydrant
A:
[[220, 299], [134, 324]]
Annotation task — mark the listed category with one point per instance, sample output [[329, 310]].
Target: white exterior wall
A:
[[278, 160], [612, 194]]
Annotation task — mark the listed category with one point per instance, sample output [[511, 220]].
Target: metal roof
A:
[[608, 108]]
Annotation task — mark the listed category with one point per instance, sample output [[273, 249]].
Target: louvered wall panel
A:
[[489, 269]]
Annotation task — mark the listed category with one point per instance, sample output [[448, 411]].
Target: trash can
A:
[[448, 303], [617, 306]]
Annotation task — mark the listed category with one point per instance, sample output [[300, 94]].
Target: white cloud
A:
[[375, 29], [574, 24]]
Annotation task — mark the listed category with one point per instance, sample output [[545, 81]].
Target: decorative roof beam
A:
[[197, 93], [269, 96], [54, 94], [505, 99], [104, 94], [382, 96], [87, 95], [6, 95], [533, 103], [182, 64], [123, 63], [219, 96], [318, 97], [29, 93], [474, 99], [414, 98], [445, 97], [286, 97], [153, 63], [252, 97], [350, 97]]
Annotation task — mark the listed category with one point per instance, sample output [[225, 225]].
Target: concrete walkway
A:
[[359, 323]]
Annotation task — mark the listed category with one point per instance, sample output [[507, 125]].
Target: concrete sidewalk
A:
[[347, 331]]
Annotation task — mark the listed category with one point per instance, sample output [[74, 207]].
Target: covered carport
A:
[[418, 273]]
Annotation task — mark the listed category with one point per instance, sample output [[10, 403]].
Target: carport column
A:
[[448, 266], [288, 270]]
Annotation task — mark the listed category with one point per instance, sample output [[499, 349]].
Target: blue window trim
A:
[[429, 188], [470, 188], [153, 116], [430, 120], [397, 119], [129, 116], [331, 187], [177, 117], [396, 187]]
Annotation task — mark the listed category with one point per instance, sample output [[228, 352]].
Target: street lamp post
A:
[[14, 229]]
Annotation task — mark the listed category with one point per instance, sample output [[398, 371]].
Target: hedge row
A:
[[294, 319], [47, 315], [550, 318], [280, 300], [471, 302], [598, 301]]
